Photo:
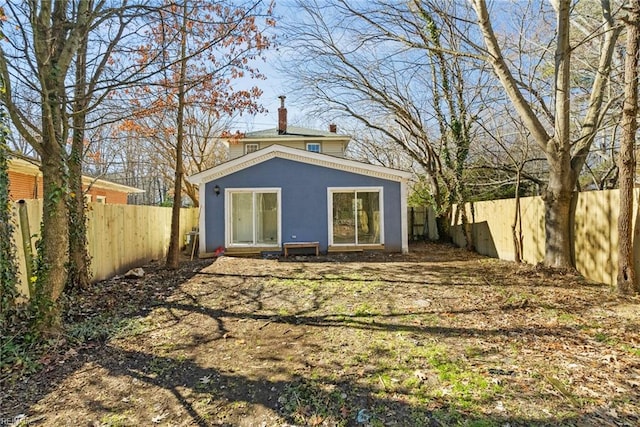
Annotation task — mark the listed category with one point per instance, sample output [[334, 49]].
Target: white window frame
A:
[[255, 147], [314, 143], [228, 220], [101, 199], [332, 190]]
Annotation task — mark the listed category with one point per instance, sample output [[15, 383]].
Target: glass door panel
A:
[[242, 218], [344, 219], [368, 217], [266, 218]]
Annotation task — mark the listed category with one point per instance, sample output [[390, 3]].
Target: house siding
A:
[[236, 149], [304, 200], [26, 186]]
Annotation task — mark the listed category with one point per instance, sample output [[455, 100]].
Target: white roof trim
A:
[[297, 155]]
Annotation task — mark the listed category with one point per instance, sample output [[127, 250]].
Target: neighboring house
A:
[[25, 182], [292, 185]]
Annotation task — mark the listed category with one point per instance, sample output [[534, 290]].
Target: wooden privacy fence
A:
[[595, 231], [119, 236]]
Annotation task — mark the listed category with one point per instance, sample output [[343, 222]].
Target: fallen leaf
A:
[[158, 418]]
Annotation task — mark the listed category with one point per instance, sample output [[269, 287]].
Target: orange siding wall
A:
[[112, 197], [24, 186]]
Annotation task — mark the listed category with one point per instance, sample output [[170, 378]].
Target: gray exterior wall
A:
[[304, 200]]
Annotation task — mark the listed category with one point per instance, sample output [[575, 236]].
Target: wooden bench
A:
[[298, 245]]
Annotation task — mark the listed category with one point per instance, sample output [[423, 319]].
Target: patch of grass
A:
[[114, 420], [365, 309], [159, 366], [104, 326], [567, 318], [313, 403], [283, 312], [463, 387], [20, 353], [633, 350], [604, 338], [382, 350], [519, 299], [473, 351]]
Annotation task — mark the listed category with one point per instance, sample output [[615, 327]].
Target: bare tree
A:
[[204, 48], [394, 68], [565, 153]]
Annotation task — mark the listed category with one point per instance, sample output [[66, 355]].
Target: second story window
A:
[[250, 148], [313, 147]]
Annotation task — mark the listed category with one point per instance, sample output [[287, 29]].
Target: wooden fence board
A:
[[119, 237], [595, 231]]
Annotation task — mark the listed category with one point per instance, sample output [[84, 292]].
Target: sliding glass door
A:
[[253, 217], [355, 216]]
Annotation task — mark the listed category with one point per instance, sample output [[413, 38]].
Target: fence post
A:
[[26, 244]]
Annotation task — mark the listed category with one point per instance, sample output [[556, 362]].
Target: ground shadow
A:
[[298, 397]]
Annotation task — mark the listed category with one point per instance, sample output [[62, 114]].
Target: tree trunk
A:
[[443, 226], [53, 253], [467, 228], [626, 281], [79, 260], [516, 227], [557, 200], [192, 191], [173, 255]]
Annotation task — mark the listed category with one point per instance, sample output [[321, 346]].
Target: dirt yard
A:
[[438, 337]]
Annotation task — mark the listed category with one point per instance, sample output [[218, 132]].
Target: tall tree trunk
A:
[[173, 255], [557, 197], [53, 251], [79, 260], [626, 280]]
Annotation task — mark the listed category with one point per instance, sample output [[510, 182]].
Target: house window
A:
[[253, 217], [313, 147], [250, 148], [101, 199], [355, 216]]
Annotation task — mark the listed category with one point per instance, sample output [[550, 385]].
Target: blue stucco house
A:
[[288, 186]]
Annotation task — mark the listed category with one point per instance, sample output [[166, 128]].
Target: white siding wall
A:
[[236, 150]]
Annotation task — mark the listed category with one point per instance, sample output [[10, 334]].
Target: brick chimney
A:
[[333, 128], [282, 117]]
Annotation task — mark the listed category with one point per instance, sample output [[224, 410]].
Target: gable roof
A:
[[292, 133], [303, 156]]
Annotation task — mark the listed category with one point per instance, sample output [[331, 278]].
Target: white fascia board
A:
[[302, 156]]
